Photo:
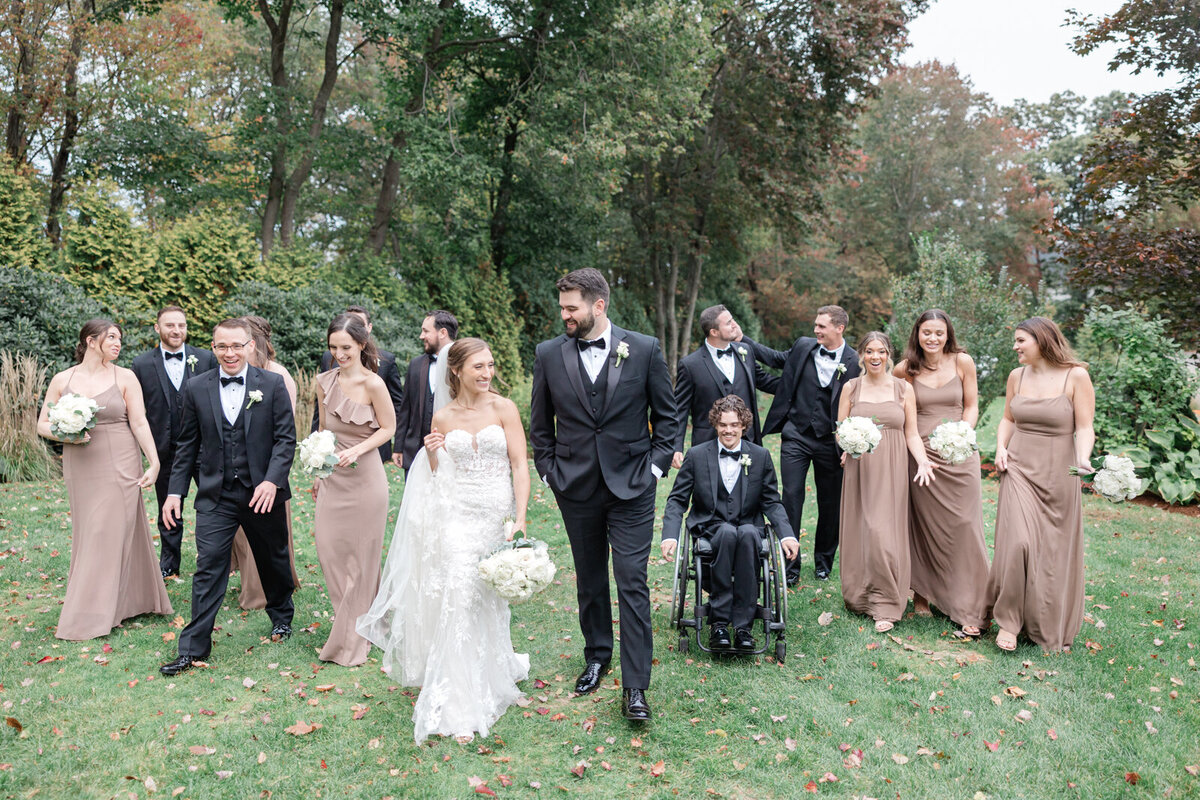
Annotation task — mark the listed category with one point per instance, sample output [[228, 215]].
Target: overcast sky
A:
[[1019, 48]]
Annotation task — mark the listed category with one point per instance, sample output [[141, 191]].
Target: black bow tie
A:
[[730, 453], [169, 356], [238, 379], [584, 344], [728, 351], [433, 358], [826, 353]]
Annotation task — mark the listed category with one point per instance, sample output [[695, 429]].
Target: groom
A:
[[594, 388], [238, 436]]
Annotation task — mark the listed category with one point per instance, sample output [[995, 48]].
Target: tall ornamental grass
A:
[[24, 456]]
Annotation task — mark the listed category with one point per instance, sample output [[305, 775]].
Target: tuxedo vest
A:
[[726, 502], [237, 464], [594, 392], [812, 404]]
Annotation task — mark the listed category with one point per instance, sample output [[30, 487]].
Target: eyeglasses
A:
[[221, 349]]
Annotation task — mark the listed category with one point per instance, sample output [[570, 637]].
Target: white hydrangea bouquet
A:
[[1116, 480], [858, 435], [518, 570], [954, 441], [317, 454], [72, 417]]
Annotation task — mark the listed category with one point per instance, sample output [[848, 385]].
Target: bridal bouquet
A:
[[953, 441], [858, 435], [1115, 481], [72, 417], [518, 570], [316, 454]]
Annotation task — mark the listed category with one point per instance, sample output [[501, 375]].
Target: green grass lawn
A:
[[850, 714]]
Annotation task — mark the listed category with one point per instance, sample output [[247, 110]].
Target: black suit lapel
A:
[[214, 397], [614, 369], [714, 474], [252, 383], [713, 371], [164, 380], [743, 479], [570, 357]]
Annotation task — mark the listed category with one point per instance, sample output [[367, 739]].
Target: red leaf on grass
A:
[[658, 769], [13, 722], [1132, 778], [810, 787], [505, 781], [579, 769], [993, 746]]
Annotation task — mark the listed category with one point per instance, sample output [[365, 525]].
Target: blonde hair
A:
[[875, 336]]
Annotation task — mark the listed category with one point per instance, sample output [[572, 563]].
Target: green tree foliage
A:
[[105, 252], [41, 314], [985, 307], [22, 243]]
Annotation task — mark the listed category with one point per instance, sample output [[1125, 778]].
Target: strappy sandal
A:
[[971, 630], [883, 626], [1006, 641]]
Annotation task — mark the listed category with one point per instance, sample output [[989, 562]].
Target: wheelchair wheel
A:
[[779, 587], [679, 584]]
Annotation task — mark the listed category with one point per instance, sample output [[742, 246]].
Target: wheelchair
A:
[[692, 558]]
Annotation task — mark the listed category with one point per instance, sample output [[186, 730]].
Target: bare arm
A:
[[844, 400], [901, 371], [135, 407], [385, 415], [1007, 425], [970, 384], [434, 439], [514, 436], [912, 438], [1083, 398], [53, 394]]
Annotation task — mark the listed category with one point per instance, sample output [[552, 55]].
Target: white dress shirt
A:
[[233, 395], [594, 357], [827, 366], [731, 468], [173, 366], [724, 363]]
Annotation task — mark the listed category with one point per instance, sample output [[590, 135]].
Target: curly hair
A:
[[730, 402]]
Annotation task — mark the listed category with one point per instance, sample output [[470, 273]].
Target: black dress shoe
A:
[[793, 578], [589, 679], [168, 573], [281, 632], [718, 637], [634, 706], [742, 640], [177, 666], [822, 574]]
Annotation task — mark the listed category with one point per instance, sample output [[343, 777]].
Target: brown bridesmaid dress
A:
[[114, 573], [241, 560], [949, 557], [874, 514], [1036, 582], [351, 514]]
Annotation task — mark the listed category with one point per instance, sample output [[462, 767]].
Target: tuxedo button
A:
[[599, 430]]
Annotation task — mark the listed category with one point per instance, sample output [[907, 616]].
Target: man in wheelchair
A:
[[729, 484]]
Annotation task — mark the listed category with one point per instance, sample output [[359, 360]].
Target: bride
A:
[[434, 619]]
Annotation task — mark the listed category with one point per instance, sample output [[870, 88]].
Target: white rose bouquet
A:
[[518, 570], [316, 454], [954, 441], [858, 435], [1116, 480], [72, 417]]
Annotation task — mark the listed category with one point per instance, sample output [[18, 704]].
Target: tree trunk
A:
[[278, 30], [16, 140], [299, 176], [58, 169]]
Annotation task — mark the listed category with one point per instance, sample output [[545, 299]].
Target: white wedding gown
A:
[[439, 626]]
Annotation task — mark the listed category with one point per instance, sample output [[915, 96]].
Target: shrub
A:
[[22, 243], [301, 316], [1170, 459], [24, 455], [984, 306], [104, 252], [41, 314]]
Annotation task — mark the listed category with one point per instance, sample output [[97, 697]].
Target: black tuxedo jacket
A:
[[270, 431], [391, 379], [787, 393], [162, 409], [573, 449], [409, 436], [698, 384], [755, 494]]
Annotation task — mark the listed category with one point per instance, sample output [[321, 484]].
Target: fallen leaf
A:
[[201, 750], [1193, 770], [1150, 727], [810, 787], [1014, 691], [13, 722], [789, 743], [658, 769], [899, 759], [825, 618], [579, 769], [249, 683], [326, 687], [1053, 736], [504, 780], [1132, 778], [1024, 715], [993, 746], [222, 774], [829, 777], [302, 728], [150, 784], [169, 636], [262, 757]]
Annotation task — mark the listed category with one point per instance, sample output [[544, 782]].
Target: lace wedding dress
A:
[[438, 625]]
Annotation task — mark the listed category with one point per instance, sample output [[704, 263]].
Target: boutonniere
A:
[[622, 352], [255, 396], [840, 369], [191, 362], [745, 461], [742, 352]]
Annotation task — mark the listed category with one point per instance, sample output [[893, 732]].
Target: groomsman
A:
[[438, 329], [729, 484], [594, 389], [238, 436], [722, 366], [163, 371], [805, 413], [391, 378]]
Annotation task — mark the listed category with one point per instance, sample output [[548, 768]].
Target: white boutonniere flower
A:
[[745, 461], [191, 362], [622, 352], [840, 369], [742, 352], [255, 396]]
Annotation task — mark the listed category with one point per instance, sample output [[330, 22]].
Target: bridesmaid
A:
[[114, 571], [874, 512], [949, 557], [352, 504], [1036, 581], [261, 354]]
